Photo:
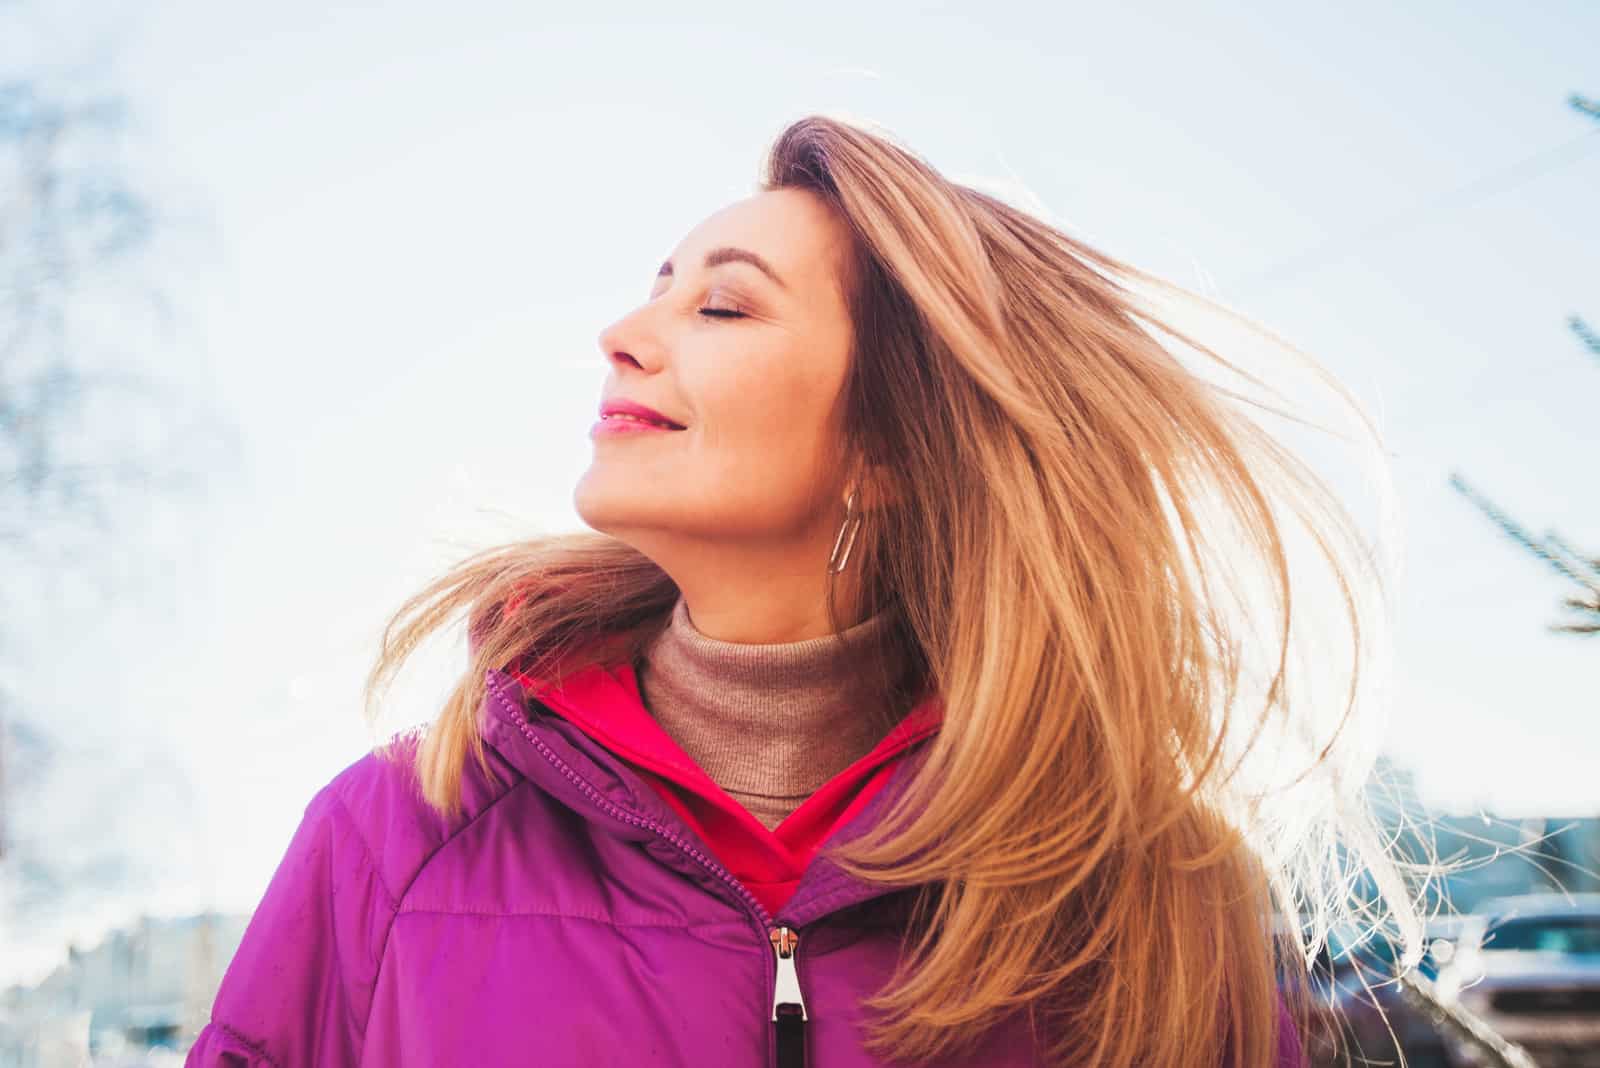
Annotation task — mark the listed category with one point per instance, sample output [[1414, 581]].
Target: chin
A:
[[591, 504], [608, 509]]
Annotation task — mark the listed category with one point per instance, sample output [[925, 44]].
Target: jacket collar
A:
[[561, 759]]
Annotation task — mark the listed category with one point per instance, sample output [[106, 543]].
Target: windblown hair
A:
[[1088, 558]]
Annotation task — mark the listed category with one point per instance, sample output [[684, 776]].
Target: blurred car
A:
[[1358, 1011], [1529, 967]]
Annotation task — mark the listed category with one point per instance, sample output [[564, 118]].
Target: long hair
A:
[[1087, 557]]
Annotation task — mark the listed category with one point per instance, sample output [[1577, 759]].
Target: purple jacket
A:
[[566, 917]]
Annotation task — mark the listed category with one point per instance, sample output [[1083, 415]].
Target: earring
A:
[[852, 520]]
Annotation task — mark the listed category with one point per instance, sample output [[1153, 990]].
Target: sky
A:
[[403, 231]]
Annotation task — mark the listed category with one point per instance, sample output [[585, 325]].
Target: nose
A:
[[628, 339]]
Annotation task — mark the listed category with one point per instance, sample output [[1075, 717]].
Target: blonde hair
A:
[[1074, 512]]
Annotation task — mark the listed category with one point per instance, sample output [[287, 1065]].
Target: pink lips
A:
[[629, 407], [606, 428]]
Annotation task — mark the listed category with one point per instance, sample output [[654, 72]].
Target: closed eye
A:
[[722, 313]]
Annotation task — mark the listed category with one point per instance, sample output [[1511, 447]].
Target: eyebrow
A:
[[728, 254]]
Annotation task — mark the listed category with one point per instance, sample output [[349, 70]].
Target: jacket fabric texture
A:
[[595, 903]]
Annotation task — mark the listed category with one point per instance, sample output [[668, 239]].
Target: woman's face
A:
[[751, 363]]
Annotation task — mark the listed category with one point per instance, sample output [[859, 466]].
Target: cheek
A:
[[763, 440]]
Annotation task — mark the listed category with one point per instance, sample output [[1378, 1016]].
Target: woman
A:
[[887, 714]]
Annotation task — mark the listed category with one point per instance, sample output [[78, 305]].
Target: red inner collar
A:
[[605, 703]]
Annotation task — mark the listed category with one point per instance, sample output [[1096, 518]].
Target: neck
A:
[[768, 722], [759, 593]]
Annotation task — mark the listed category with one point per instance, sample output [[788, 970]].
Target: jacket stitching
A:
[[248, 1044], [383, 950], [366, 848], [394, 908], [456, 834], [501, 914], [841, 935]]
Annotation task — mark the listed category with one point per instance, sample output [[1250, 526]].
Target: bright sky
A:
[[419, 222]]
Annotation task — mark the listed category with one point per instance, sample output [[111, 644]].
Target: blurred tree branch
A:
[[1582, 569], [65, 219], [88, 437], [1585, 571]]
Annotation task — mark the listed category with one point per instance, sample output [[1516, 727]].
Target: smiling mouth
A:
[[622, 417]]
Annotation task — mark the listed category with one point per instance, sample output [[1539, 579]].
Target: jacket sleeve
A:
[[299, 989], [1291, 1054]]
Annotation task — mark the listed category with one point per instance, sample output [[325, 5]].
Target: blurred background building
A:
[[139, 996]]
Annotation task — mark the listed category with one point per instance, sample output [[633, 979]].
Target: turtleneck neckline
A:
[[771, 722]]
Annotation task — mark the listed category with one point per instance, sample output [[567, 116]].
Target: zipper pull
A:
[[788, 1007]]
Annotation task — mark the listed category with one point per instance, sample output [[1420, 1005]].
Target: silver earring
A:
[[852, 520]]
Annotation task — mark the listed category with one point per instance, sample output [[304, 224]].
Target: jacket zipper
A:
[[788, 1007]]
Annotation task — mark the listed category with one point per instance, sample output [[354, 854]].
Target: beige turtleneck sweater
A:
[[768, 723]]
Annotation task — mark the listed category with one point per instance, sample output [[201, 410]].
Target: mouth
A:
[[625, 408], [620, 423], [632, 417]]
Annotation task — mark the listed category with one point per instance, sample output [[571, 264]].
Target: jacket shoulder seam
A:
[[366, 847], [452, 836], [383, 950], [396, 898], [394, 907]]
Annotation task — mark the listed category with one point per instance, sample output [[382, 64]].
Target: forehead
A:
[[792, 229]]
